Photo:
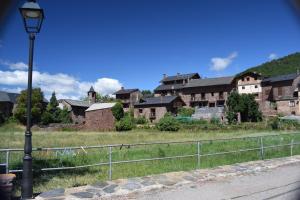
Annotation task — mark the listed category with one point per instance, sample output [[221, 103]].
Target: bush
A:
[[64, 116], [118, 111], [141, 120], [215, 120], [2, 118], [125, 124], [46, 118], [186, 112], [168, 123]]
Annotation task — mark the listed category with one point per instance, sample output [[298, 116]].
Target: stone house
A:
[[155, 108], [207, 92], [8, 102], [128, 97], [77, 108], [173, 85], [100, 117], [280, 95]]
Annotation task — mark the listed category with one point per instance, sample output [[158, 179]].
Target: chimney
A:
[[122, 88], [178, 74], [164, 75]]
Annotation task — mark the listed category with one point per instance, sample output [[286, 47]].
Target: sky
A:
[[132, 43]]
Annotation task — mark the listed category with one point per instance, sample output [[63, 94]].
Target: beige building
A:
[[128, 97]]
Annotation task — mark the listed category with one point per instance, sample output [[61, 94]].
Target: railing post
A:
[[261, 148], [7, 161], [292, 146], [198, 155], [110, 165]]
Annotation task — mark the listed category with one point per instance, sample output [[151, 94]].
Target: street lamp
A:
[[33, 17]]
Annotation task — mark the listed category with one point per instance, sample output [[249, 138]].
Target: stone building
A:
[[8, 102], [77, 108], [155, 108], [173, 85], [100, 117], [280, 95], [128, 97]]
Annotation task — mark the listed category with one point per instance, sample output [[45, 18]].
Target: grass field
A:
[[12, 136]]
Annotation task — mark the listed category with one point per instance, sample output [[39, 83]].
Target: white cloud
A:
[[64, 85], [272, 56], [219, 64], [14, 66]]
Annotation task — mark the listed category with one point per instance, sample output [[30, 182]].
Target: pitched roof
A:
[[285, 77], [210, 82], [126, 91], [180, 77], [100, 106], [8, 97], [76, 103], [162, 100], [169, 87], [91, 89]]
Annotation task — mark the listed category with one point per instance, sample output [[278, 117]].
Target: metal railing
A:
[[198, 154]]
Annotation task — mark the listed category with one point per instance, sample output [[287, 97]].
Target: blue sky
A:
[[133, 42]]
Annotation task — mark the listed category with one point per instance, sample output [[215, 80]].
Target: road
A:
[[281, 183]]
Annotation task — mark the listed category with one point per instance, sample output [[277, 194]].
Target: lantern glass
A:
[[33, 17]]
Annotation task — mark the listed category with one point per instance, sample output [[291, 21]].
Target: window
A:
[[212, 94], [152, 113], [140, 111], [280, 91], [243, 87], [202, 95], [255, 78], [248, 79], [256, 86], [221, 95], [243, 79], [292, 103], [295, 94], [193, 97]]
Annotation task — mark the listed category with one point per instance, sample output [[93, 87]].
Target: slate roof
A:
[[8, 97], [169, 87], [210, 82], [100, 106], [126, 91], [285, 77], [180, 77], [91, 89], [76, 103], [162, 100]]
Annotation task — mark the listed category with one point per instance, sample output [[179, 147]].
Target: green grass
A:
[[12, 136]]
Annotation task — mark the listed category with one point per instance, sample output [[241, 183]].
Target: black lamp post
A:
[[33, 17]]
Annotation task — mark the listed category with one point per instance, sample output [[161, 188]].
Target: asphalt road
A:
[[281, 183]]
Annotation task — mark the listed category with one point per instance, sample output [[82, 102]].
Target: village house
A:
[[8, 102], [154, 108], [128, 97], [173, 85], [280, 95], [77, 108], [100, 117]]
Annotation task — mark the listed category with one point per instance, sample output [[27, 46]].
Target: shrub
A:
[[64, 116], [274, 123], [125, 124], [46, 118], [118, 111], [168, 123], [141, 120], [186, 112], [215, 121], [2, 118]]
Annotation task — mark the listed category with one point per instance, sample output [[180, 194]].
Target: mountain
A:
[[285, 65]]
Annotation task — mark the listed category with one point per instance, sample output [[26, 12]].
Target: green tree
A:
[[186, 112], [147, 93], [118, 111], [244, 104], [37, 106]]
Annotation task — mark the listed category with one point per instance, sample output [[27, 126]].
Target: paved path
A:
[[270, 179], [279, 183]]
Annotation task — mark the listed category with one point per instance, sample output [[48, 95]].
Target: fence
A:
[[196, 151]]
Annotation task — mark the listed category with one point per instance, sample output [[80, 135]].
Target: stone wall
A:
[[146, 112], [100, 120]]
